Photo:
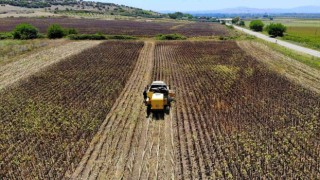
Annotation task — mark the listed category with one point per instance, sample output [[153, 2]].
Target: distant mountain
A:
[[306, 9], [246, 10]]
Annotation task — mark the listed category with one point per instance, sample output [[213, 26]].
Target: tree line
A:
[[273, 29]]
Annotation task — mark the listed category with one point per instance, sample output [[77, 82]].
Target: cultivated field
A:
[[48, 120], [234, 116], [18, 63], [299, 70], [119, 27]]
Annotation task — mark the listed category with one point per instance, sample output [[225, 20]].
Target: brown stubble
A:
[[23, 68]]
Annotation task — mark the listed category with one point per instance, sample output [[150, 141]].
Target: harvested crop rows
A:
[[235, 118], [129, 145], [22, 67], [48, 121], [84, 118], [294, 70], [119, 27]]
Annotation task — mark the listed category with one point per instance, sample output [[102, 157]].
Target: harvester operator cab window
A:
[[154, 87], [159, 89]]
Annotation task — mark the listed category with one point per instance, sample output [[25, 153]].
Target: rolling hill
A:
[[75, 6]]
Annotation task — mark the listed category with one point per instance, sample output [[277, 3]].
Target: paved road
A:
[[280, 42]]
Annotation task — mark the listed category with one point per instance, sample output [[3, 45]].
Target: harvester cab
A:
[[158, 97]]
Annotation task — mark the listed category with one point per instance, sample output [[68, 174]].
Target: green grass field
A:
[[292, 22], [305, 32], [306, 36]]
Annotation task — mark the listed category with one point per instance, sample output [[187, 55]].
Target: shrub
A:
[[55, 31], [173, 16], [276, 29], [170, 37], [87, 37], [230, 27], [41, 36], [98, 36], [25, 31], [241, 23], [6, 35], [256, 25], [222, 38], [70, 31], [120, 37], [180, 15], [235, 20]]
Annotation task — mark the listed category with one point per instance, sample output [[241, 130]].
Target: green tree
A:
[[25, 31], [241, 23], [55, 31], [256, 25], [189, 16], [235, 20], [173, 16], [276, 29], [179, 15]]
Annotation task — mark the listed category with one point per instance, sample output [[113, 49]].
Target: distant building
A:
[[202, 19], [226, 20]]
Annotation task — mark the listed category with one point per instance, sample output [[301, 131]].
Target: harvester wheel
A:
[[170, 99], [167, 110], [148, 110]]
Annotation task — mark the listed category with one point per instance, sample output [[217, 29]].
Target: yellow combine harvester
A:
[[158, 97]]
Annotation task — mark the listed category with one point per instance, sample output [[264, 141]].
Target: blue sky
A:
[[195, 5]]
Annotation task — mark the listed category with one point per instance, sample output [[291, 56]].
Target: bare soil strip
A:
[[128, 145], [15, 71], [295, 71]]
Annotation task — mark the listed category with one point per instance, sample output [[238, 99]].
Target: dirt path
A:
[[23, 68], [128, 144], [292, 69]]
